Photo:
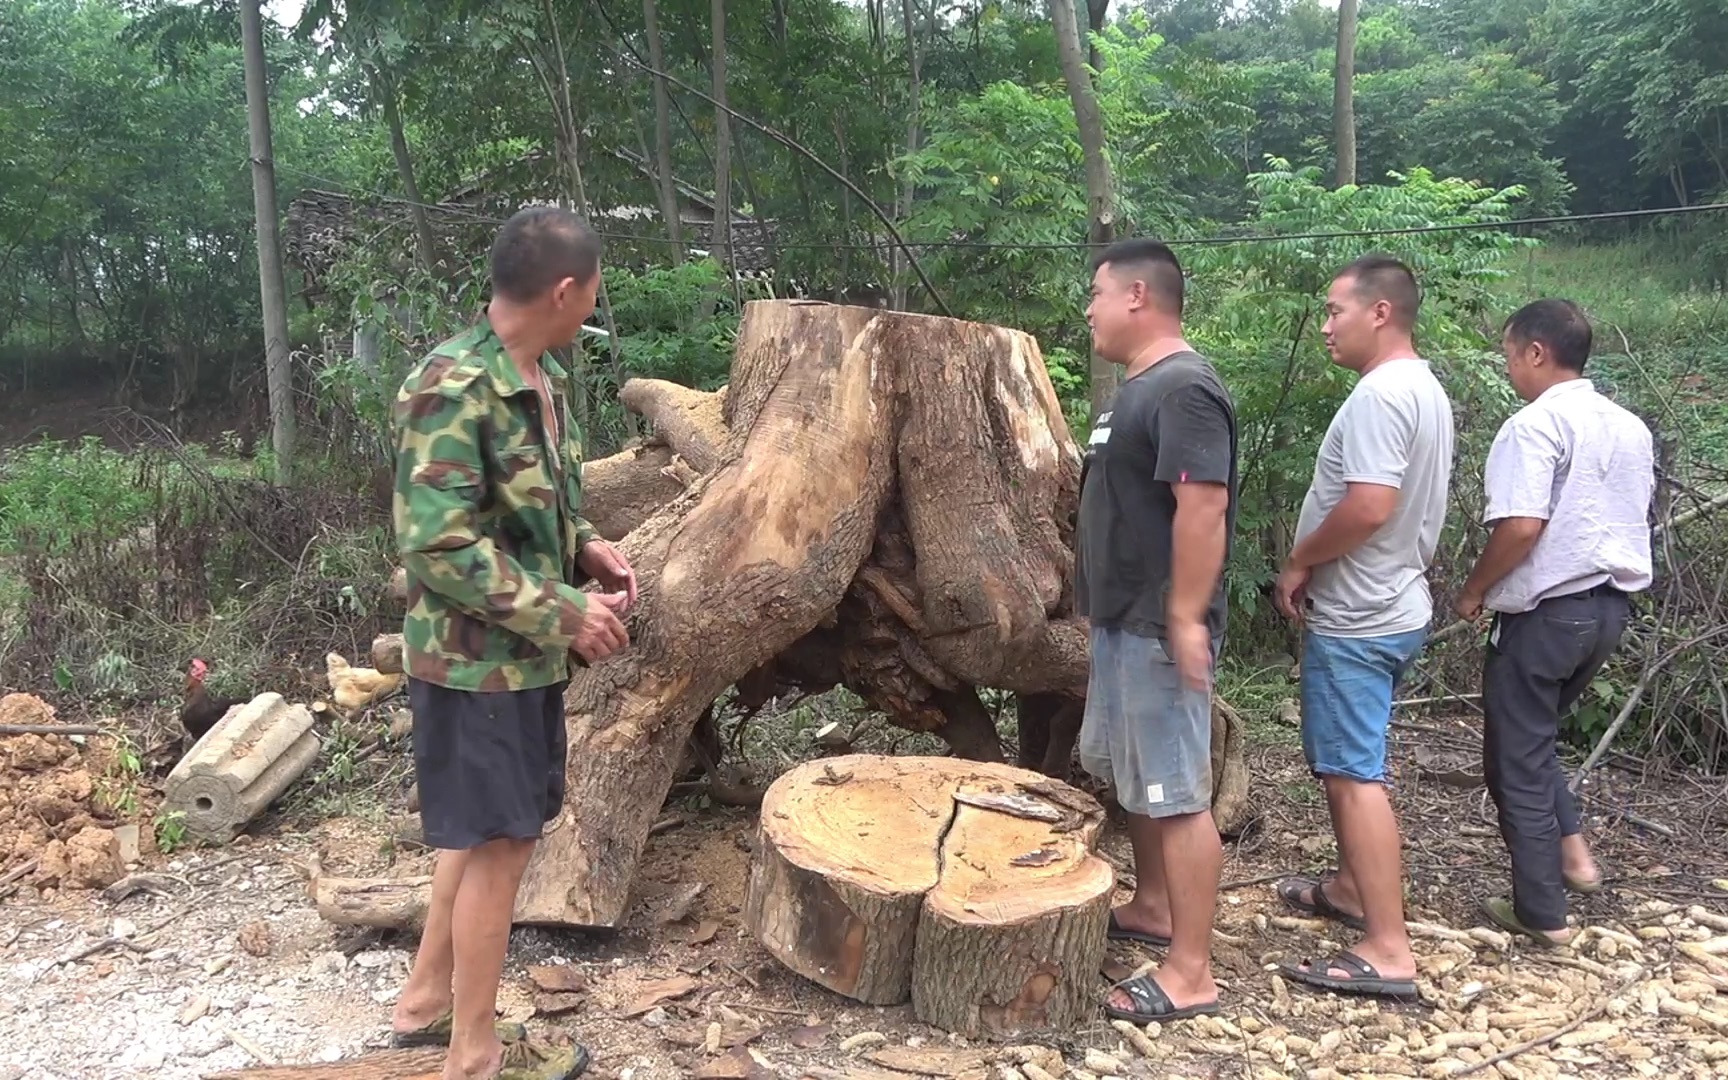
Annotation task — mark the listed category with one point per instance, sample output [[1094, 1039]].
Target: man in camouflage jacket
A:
[[488, 484]]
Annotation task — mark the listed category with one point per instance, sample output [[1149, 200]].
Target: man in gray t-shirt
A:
[[1357, 579]]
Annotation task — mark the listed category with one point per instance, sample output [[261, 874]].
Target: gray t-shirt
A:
[[1395, 429]]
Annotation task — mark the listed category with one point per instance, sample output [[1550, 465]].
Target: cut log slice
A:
[[970, 888], [1012, 936]]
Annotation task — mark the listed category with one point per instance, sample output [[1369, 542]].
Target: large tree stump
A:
[[883, 879], [830, 412], [240, 766]]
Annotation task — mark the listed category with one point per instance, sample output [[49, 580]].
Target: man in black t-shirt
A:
[[1157, 506]]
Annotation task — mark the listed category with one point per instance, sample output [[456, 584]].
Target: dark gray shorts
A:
[[1145, 731], [489, 765]]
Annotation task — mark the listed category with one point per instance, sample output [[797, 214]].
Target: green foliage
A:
[[661, 328], [52, 492]]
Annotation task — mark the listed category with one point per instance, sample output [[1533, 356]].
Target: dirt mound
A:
[[60, 803]]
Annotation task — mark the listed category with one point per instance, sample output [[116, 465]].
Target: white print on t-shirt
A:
[[1100, 431]]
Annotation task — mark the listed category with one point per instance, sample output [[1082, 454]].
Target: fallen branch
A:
[[49, 729], [1579, 1021], [1637, 695]]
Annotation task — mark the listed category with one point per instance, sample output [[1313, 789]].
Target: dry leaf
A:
[[660, 991], [558, 978], [928, 1060], [810, 1036], [549, 1004], [704, 932], [1114, 969], [741, 1063]]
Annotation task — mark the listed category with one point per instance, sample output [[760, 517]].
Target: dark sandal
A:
[[437, 1033], [1501, 913], [1363, 979], [1118, 932], [1152, 1003], [1290, 891]]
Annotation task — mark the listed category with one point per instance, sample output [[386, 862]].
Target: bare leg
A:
[[1191, 859], [1577, 861], [485, 901], [1368, 834], [427, 994], [1149, 911]]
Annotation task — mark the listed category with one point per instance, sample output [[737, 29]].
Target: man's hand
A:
[[601, 634], [1468, 606], [1289, 592], [1191, 650], [608, 567]]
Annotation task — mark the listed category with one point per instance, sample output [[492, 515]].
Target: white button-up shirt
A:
[[1585, 466]]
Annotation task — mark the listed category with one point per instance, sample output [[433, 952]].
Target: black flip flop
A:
[[1290, 891], [1118, 932], [1152, 1003], [1363, 979]]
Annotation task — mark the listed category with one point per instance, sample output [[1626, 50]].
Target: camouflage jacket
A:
[[485, 517]]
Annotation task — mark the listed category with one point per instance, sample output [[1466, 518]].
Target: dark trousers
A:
[[1540, 661]]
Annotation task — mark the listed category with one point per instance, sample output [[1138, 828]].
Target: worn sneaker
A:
[[437, 1033], [530, 1060]]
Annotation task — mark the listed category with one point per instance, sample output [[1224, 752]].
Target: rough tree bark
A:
[[831, 411], [1344, 95]]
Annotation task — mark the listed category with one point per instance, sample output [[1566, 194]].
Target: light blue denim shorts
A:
[[1347, 687]]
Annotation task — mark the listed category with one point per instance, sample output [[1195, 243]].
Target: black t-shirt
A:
[[1172, 423]]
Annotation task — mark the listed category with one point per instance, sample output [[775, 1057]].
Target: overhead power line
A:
[[1080, 245]]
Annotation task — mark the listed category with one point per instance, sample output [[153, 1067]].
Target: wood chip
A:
[[928, 1060], [558, 978], [741, 1063], [660, 991], [195, 1009], [1021, 806], [557, 1004], [810, 1036]]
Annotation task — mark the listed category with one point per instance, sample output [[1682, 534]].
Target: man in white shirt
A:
[[1569, 483], [1357, 579]]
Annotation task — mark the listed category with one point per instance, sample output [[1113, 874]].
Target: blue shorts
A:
[[1347, 686], [1145, 731]]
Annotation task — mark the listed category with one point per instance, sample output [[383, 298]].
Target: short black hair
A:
[[1382, 277], [1560, 325], [1153, 261], [540, 246]]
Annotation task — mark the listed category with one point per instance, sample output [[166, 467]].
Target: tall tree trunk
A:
[[424, 243], [557, 83], [722, 234], [272, 291], [1343, 94], [1100, 187], [1097, 11], [903, 202], [663, 176]]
